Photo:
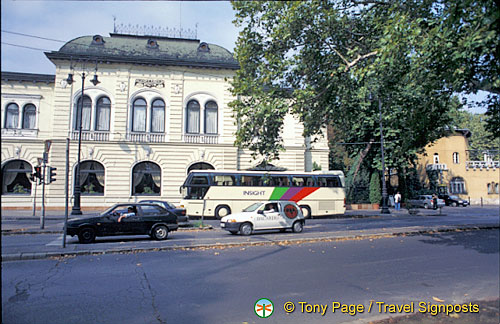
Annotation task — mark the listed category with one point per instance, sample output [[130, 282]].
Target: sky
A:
[[66, 20]]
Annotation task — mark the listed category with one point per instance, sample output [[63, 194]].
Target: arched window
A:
[[457, 186], [103, 113], [15, 178], [158, 116], [12, 116], [139, 115], [456, 158], [436, 158], [92, 178], [200, 166], [146, 179], [193, 117], [29, 116], [86, 113], [211, 113]]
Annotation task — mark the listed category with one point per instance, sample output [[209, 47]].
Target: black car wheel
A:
[[86, 235], [453, 204], [160, 232], [246, 229], [297, 227]]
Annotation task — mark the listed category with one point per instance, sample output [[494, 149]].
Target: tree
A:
[[335, 62], [375, 194]]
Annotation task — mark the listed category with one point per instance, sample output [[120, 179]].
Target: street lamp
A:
[[76, 210], [385, 209]]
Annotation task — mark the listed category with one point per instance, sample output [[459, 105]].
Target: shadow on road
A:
[[481, 241]]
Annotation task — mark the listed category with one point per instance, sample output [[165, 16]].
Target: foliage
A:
[[19, 189], [375, 194], [352, 64], [316, 167]]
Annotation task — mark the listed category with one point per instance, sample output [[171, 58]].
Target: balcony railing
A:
[[201, 138], [482, 165], [97, 136], [437, 166], [146, 137]]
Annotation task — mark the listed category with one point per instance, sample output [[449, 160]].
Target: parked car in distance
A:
[[265, 215], [425, 201], [454, 201], [149, 219], [182, 218]]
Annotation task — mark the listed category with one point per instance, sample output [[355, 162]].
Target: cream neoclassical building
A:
[[160, 110]]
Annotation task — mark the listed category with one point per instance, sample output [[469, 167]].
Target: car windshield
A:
[[252, 207], [454, 197]]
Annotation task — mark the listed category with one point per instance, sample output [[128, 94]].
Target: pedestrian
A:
[[434, 201], [397, 201]]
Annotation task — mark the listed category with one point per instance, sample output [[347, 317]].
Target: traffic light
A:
[[37, 174], [51, 175]]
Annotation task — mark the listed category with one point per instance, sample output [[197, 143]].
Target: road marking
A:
[[57, 241]]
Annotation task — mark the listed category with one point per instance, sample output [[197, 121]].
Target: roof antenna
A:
[[180, 19], [114, 24]]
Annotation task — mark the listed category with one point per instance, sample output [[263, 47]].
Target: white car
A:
[[266, 215]]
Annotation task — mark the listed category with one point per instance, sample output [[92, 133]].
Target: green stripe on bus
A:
[[278, 192]]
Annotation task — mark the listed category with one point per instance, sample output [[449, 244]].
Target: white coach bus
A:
[[219, 193]]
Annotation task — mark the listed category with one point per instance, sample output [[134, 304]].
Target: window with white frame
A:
[[456, 158], [457, 186], [146, 179], [15, 178], [211, 116], [148, 115], [16, 118], [202, 115], [193, 117], [97, 108], [436, 158]]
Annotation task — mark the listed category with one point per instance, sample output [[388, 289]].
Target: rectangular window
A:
[[139, 122], [329, 181], [193, 120], [224, 180], [279, 181], [251, 180], [302, 181], [158, 120]]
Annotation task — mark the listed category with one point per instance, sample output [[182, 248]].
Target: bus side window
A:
[[309, 182]]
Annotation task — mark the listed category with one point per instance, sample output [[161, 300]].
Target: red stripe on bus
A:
[[303, 193]]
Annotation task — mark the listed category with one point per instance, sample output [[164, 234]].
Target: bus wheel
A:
[[222, 211], [306, 210]]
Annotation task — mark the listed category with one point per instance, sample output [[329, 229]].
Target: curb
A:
[[48, 255], [40, 231]]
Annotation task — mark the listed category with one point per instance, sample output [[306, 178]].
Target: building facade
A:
[[153, 108], [450, 160]]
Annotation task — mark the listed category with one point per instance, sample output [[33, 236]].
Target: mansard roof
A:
[[28, 77], [149, 50]]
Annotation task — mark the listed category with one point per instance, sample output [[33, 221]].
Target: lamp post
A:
[[76, 210], [385, 209]]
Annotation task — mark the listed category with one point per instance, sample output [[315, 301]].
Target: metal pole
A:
[[76, 205], [34, 198], [42, 217], [385, 209], [66, 194]]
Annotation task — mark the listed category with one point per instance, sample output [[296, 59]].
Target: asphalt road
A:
[[223, 285], [23, 246]]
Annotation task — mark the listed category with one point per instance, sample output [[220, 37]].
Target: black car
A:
[[182, 218], [454, 201], [148, 219]]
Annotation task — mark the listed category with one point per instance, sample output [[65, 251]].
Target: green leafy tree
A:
[[375, 194], [344, 62]]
